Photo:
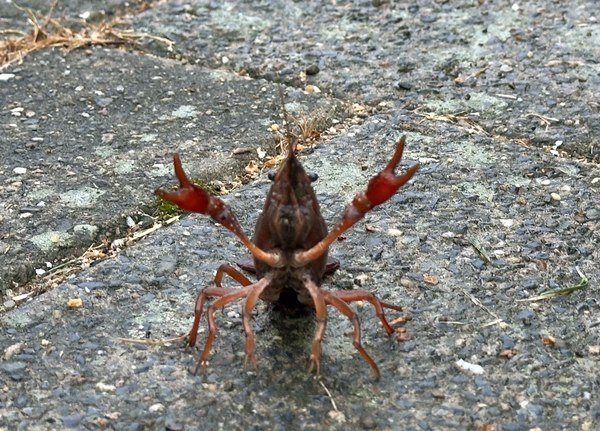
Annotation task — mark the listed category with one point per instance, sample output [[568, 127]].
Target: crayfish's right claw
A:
[[193, 198], [188, 196]]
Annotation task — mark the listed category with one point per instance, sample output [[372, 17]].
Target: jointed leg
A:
[[233, 273], [321, 317], [338, 303], [217, 291], [233, 295], [246, 315], [226, 295], [247, 308], [208, 292], [361, 295]]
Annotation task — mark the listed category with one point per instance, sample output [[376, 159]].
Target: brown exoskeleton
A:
[[289, 249]]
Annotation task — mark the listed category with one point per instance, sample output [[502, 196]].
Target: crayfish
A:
[[289, 251]]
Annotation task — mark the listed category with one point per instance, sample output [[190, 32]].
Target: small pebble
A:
[[103, 387], [13, 350], [555, 197], [408, 283], [368, 423], [337, 416], [313, 69], [507, 222], [361, 279], [439, 394], [158, 407], [395, 232], [467, 366], [74, 303]]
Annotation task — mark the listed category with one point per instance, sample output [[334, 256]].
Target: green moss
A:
[[166, 210], [206, 186]]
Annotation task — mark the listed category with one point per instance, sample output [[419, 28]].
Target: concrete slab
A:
[[421, 251]]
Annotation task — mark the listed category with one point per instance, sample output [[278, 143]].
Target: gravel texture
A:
[[499, 105]]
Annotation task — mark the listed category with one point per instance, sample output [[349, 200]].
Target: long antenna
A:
[[292, 141]]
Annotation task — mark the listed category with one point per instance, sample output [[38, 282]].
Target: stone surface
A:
[[498, 105]]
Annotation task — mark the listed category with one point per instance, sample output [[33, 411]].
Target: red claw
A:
[[193, 198], [383, 185], [188, 197]]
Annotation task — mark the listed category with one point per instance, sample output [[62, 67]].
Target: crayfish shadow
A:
[[292, 323], [286, 335]]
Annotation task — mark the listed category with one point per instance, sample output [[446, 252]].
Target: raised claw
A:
[[380, 188], [188, 196], [385, 184], [193, 198]]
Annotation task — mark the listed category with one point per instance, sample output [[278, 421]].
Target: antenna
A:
[[292, 141]]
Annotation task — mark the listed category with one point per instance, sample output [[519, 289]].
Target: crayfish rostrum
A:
[[289, 249]]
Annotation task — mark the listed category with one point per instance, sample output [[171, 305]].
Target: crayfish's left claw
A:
[[381, 187], [385, 184]]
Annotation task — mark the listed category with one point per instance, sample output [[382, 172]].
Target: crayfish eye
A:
[[271, 175], [313, 177]]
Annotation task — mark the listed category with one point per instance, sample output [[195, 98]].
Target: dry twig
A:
[[48, 32], [460, 119]]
